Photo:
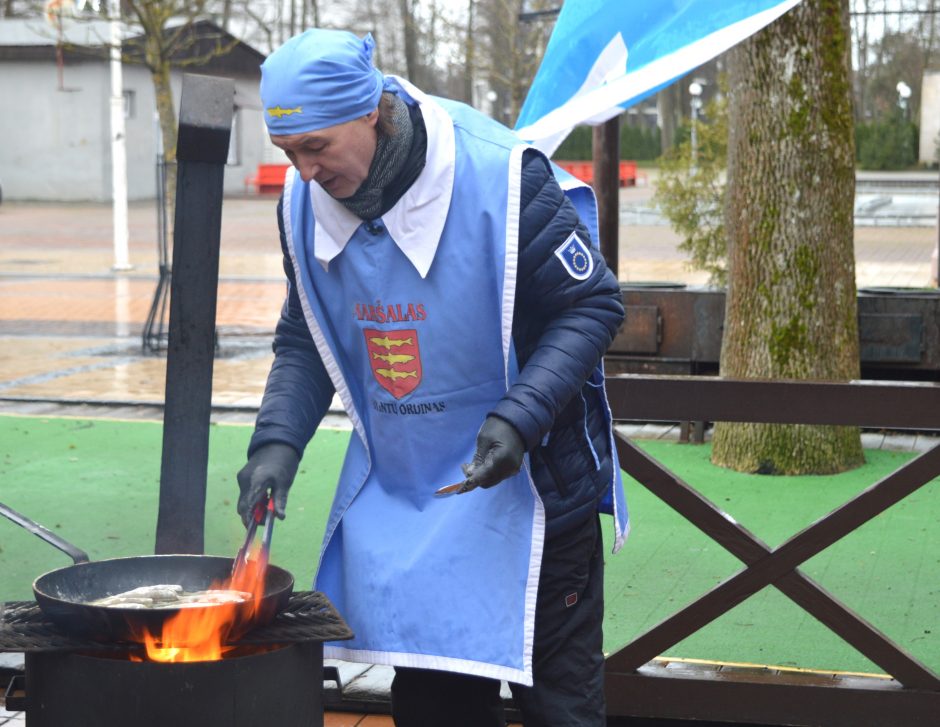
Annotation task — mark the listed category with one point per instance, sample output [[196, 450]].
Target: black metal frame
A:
[[154, 336]]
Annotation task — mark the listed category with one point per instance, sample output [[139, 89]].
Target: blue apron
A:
[[419, 360]]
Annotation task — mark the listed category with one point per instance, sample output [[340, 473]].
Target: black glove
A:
[[272, 467], [499, 454]]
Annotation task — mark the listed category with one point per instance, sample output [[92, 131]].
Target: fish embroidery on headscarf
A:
[[278, 112]]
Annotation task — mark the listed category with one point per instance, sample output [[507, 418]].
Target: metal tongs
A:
[[263, 510]]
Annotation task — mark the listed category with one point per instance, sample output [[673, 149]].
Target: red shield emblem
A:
[[395, 359]]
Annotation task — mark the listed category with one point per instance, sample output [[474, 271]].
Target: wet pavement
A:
[[70, 326]]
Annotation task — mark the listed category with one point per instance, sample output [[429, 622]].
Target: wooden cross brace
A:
[[777, 567]]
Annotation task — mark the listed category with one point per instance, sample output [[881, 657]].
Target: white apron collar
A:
[[416, 222]]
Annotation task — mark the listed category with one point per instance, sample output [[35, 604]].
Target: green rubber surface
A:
[[96, 483]]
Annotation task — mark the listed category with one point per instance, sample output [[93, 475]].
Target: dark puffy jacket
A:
[[561, 328]]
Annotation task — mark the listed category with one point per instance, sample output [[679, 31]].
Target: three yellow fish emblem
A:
[[278, 112], [389, 353]]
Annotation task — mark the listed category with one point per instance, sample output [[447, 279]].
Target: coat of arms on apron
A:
[[395, 359]]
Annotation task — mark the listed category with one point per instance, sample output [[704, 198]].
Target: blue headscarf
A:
[[317, 79]]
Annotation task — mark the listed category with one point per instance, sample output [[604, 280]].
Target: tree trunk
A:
[[411, 41], [791, 305], [668, 106], [930, 18], [518, 85], [861, 71], [469, 53], [166, 112]]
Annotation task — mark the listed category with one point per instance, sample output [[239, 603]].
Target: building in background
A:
[[54, 118]]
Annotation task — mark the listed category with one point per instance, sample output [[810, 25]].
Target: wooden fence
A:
[[638, 684]]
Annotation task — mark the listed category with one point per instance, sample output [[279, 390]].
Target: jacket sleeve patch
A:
[[576, 257]]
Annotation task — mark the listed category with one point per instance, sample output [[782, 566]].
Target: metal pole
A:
[[152, 336], [118, 150], [206, 109], [606, 141], [695, 103]]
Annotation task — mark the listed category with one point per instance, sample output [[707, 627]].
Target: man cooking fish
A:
[[448, 289]]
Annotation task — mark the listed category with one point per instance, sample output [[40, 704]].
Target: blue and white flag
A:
[[605, 55]]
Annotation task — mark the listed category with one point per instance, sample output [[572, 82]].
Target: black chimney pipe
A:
[[205, 125]]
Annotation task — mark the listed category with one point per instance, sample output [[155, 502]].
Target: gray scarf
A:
[[391, 152]]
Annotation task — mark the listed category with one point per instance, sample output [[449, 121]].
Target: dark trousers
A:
[[567, 659]]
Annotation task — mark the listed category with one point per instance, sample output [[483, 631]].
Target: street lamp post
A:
[[695, 89], [118, 148], [904, 93]]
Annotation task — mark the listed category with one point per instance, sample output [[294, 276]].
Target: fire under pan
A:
[[273, 677]]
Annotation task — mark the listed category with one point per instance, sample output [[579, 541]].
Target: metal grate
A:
[[308, 616]]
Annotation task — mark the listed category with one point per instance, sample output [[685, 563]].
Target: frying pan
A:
[[64, 594]]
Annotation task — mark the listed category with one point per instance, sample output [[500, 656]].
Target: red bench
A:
[[585, 171], [269, 179]]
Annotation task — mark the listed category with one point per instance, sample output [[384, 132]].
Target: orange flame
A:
[[200, 633]]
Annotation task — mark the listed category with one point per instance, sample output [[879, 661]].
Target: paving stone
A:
[[898, 442], [872, 440], [924, 442]]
